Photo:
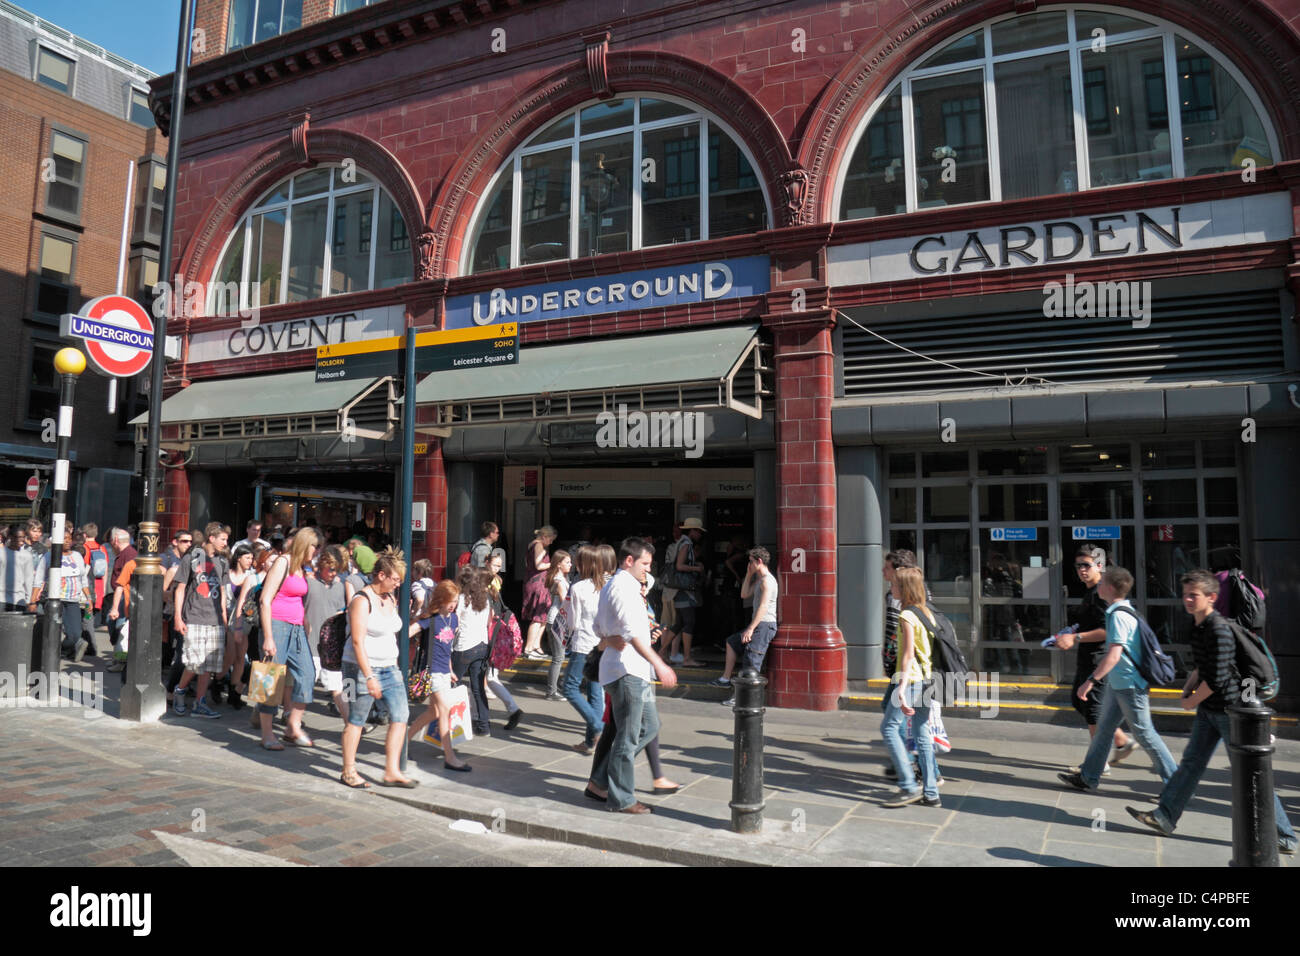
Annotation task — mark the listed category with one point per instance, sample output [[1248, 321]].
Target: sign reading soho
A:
[[292, 335], [1143, 232], [645, 289]]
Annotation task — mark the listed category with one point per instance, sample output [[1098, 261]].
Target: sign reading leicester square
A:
[[620, 292]]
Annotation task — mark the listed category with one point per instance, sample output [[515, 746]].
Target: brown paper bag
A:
[[266, 683]]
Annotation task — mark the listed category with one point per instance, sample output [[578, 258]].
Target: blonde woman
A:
[[285, 641], [908, 692], [537, 599], [370, 670]]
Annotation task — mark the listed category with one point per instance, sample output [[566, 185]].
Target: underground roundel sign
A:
[[118, 333]]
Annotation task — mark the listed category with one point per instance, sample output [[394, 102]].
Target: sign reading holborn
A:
[[1066, 241], [645, 289]]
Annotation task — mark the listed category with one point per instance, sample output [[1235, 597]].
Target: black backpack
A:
[[1245, 606], [947, 662], [1255, 665], [1156, 667]]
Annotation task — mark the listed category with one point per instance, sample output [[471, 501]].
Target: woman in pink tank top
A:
[[285, 641]]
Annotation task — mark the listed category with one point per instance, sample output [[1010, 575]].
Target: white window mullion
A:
[[991, 134], [909, 147], [704, 178], [1083, 172], [1175, 107], [575, 203], [636, 174], [284, 255], [374, 233], [327, 280], [245, 286], [516, 211]]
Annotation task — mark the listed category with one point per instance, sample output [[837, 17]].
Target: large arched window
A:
[[1052, 102], [635, 166], [328, 230]]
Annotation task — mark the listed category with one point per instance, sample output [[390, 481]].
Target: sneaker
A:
[[82, 646], [676, 659], [927, 802], [236, 700], [536, 656], [178, 703], [115, 667], [1150, 819], [1122, 753], [201, 709], [904, 799], [720, 682], [1286, 848], [729, 702], [214, 692], [889, 772], [1074, 779], [513, 722], [556, 696], [1105, 771]]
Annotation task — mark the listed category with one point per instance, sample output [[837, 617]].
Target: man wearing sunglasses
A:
[[1088, 632]]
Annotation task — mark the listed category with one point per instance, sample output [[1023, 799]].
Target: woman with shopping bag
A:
[[442, 632], [285, 641], [370, 670]]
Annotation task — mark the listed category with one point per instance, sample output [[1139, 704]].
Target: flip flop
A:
[[404, 784], [463, 768], [272, 745], [361, 784], [301, 740]]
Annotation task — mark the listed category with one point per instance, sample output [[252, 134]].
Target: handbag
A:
[[266, 683], [417, 684], [591, 668], [458, 718], [506, 641]]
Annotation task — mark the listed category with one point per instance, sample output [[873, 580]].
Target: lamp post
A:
[[69, 363], [143, 696]]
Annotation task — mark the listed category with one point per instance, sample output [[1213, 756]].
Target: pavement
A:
[[140, 802]]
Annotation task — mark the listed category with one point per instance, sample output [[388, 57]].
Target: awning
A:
[[289, 403], [702, 369]]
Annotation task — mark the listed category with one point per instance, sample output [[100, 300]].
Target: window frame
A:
[[38, 336], [575, 141], [49, 319], [144, 205], [131, 91], [1075, 46], [253, 40], [261, 207], [44, 46], [73, 217]]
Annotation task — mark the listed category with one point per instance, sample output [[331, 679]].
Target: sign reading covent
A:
[[292, 335], [1065, 241]]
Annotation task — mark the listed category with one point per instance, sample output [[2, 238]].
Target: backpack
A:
[[505, 640], [671, 577], [946, 659], [463, 559], [1245, 602], [1255, 663], [1156, 667], [333, 638], [252, 603], [99, 563]]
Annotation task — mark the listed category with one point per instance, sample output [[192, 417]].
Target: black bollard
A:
[[1254, 825], [747, 759]]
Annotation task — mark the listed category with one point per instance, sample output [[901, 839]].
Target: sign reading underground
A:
[[486, 347], [118, 333]]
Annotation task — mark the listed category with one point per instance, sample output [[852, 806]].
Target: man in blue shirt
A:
[[1125, 696]]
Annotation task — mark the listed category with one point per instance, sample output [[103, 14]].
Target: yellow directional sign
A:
[[478, 347]]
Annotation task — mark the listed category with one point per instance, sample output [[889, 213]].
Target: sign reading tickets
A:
[[621, 292]]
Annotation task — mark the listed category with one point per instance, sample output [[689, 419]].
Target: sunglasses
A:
[[1082, 567], [184, 540]]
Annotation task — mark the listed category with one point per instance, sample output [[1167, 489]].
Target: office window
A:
[[69, 157], [619, 175], [53, 292], [312, 235], [252, 21], [140, 114], [43, 384], [142, 276], [1120, 96], [54, 70], [151, 186]]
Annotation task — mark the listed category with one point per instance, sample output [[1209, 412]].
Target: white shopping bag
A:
[[462, 728], [124, 637]]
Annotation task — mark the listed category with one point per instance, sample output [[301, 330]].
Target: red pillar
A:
[[174, 503], [431, 488], [809, 663]]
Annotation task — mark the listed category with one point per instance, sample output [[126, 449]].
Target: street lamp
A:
[[69, 363]]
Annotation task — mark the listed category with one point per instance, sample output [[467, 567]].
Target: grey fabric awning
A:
[[712, 368]]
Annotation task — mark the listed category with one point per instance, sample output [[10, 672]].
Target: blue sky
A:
[[142, 31]]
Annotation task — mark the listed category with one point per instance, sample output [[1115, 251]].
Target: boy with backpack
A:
[[1211, 687], [1129, 652]]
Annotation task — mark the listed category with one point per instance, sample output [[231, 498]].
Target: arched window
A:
[[1052, 102], [635, 166], [328, 230]]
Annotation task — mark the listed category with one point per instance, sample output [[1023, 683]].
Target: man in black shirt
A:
[[1211, 688], [1089, 620]]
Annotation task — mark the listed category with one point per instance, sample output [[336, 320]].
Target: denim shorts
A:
[[392, 688]]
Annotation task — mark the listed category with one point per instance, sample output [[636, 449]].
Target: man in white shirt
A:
[[253, 539], [628, 668]]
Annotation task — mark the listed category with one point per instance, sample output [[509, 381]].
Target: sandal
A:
[[298, 740], [348, 777], [272, 745]]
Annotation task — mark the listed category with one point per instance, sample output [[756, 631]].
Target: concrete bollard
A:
[[747, 758]]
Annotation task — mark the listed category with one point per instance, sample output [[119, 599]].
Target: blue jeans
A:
[[73, 629], [1207, 729], [1129, 703], [294, 652], [592, 705], [633, 710], [392, 690], [892, 727]]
